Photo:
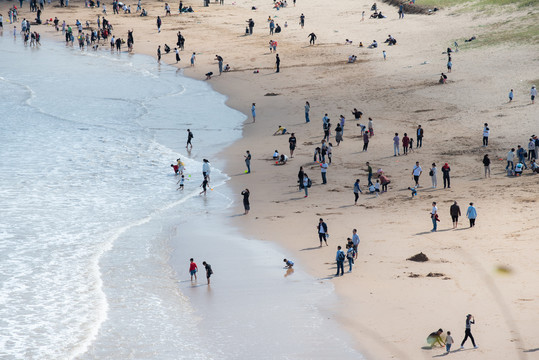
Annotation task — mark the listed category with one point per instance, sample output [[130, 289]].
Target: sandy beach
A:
[[387, 303]]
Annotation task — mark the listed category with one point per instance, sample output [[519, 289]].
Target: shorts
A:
[[533, 97], [292, 147], [192, 272], [355, 248], [454, 218]]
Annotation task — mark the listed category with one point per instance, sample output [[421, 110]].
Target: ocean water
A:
[[95, 239]]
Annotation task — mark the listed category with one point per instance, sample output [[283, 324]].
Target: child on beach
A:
[[288, 263], [193, 269], [511, 95], [448, 342], [203, 186], [182, 179], [414, 191]]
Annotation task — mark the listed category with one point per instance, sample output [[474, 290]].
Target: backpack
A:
[[309, 183], [341, 256]]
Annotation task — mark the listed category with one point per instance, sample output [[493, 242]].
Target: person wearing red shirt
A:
[[193, 268]]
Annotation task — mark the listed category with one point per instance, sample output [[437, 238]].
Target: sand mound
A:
[[419, 258]]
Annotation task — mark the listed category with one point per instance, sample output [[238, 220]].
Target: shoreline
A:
[[397, 96]]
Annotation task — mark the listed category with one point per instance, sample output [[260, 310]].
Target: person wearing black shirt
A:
[[246, 206]]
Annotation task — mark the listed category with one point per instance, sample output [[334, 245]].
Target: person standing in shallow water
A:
[[253, 112], [209, 271]]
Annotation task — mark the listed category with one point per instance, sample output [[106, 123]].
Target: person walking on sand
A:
[[448, 342], [357, 190], [323, 171], [277, 62], [433, 172], [246, 205], [486, 134], [419, 133], [369, 174], [248, 162], [371, 128], [447, 180], [471, 214], [384, 54], [365, 141], [307, 109], [159, 24], [405, 143], [396, 141], [193, 268], [292, 144], [434, 216], [486, 164], [300, 178], [355, 241], [511, 95], [312, 37], [416, 173], [350, 256], [159, 54], [302, 20], [454, 211], [306, 182], [533, 93], [468, 332], [209, 271], [193, 58], [339, 258], [253, 112], [510, 158], [322, 232]]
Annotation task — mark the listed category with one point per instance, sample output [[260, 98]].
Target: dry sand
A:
[[384, 304]]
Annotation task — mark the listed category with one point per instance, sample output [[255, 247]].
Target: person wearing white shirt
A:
[[486, 133], [433, 172], [533, 93], [323, 171], [206, 169], [531, 149], [510, 158], [434, 215], [416, 172]]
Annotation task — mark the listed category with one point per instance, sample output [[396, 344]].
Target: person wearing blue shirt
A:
[[355, 241], [288, 263], [340, 260], [357, 190], [471, 214]]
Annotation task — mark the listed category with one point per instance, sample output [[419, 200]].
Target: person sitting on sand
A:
[[283, 159], [360, 44], [519, 167], [374, 7], [443, 79], [373, 45], [534, 167], [276, 155], [435, 338], [143, 13], [288, 263], [280, 131], [348, 42], [227, 68], [374, 15], [352, 59], [380, 16]]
